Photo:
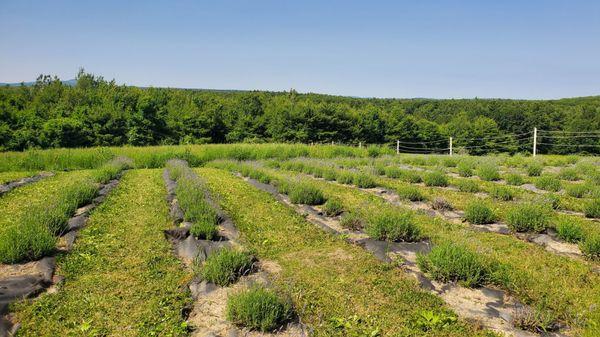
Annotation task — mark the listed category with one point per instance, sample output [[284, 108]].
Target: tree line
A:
[[97, 112]]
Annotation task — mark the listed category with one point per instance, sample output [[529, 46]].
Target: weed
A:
[[226, 266], [431, 320], [204, 229], [259, 309], [479, 213], [449, 262], [528, 217], [392, 225]]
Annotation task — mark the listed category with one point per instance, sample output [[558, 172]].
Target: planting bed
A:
[[12, 180]]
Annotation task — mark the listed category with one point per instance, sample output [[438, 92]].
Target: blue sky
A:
[[441, 49]]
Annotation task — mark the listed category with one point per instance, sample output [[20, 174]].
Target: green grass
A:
[[590, 246], [535, 169], [259, 309], [6, 177], [528, 217], [111, 169], [363, 180], [435, 178], [121, 278], [333, 207], [479, 213], [488, 172], [305, 193], [453, 263], [352, 221], [592, 208], [411, 177], [503, 193], [468, 185], [324, 275], [514, 179], [548, 183], [393, 226], [226, 266], [569, 173], [569, 231], [410, 193], [465, 168], [577, 190]]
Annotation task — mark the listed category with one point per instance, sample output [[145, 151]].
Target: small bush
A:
[[435, 178], [465, 169], [111, 170], [363, 180], [577, 190], [549, 199], [373, 151], [528, 217], [329, 174], [468, 185], [569, 231], [411, 193], [393, 172], [590, 246], [352, 221], [305, 193], [26, 242], [591, 209], [333, 207], [534, 169], [393, 226], [411, 177], [502, 193], [258, 309], [548, 183], [514, 179], [488, 172], [345, 177], [478, 213], [226, 266], [569, 173], [453, 263], [534, 320], [441, 204], [204, 229], [450, 162]]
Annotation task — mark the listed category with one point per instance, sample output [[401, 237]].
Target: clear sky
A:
[[442, 49]]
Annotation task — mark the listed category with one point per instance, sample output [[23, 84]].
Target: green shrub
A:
[[363, 180], [329, 174], [514, 179], [550, 199], [502, 193], [352, 221], [569, 173], [333, 207], [411, 177], [537, 320], [305, 193], [591, 209], [528, 217], [468, 185], [26, 242], [258, 309], [411, 193], [548, 183], [191, 195], [435, 178], [488, 172], [441, 204], [450, 162], [534, 169], [204, 229], [393, 172], [226, 266], [453, 263], [465, 168], [373, 151], [393, 226], [111, 169], [569, 231], [345, 177], [477, 212], [577, 190], [590, 246]]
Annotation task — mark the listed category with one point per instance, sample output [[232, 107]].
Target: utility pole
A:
[[534, 141], [450, 145], [397, 147]]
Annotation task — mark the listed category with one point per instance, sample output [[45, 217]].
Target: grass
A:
[[502, 193], [514, 179], [569, 173], [465, 168], [324, 275], [34, 234], [535, 169], [410, 193], [333, 207], [577, 190], [590, 246], [352, 221], [226, 266], [488, 172], [363, 180], [6, 177], [528, 217], [441, 204], [454, 263], [479, 213], [411, 177], [592, 208], [435, 178], [393, 226], [112, 169], [548, 183], [259, 309], [121, 278], [468, 185], [305, 193], [569, 231]]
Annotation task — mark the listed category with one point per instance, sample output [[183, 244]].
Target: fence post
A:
[[397, 147], [534, 141], [360, 145], [450, 145]]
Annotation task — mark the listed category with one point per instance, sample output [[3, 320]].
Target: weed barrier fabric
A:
[[5, 188], [493, 308], [210, 299], [14, 288]]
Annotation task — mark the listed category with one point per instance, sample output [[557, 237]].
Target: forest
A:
[[97, 112]]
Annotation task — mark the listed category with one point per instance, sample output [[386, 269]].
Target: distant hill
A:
[[71, 83]]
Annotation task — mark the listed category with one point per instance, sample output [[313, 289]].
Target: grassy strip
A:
[[328, 278], [121, 279], [6, 177], [566, 288], [112, 169]]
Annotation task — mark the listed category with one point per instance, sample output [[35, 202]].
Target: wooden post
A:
[[534, 141], [360, 145], [397, 147], [450, 145]]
